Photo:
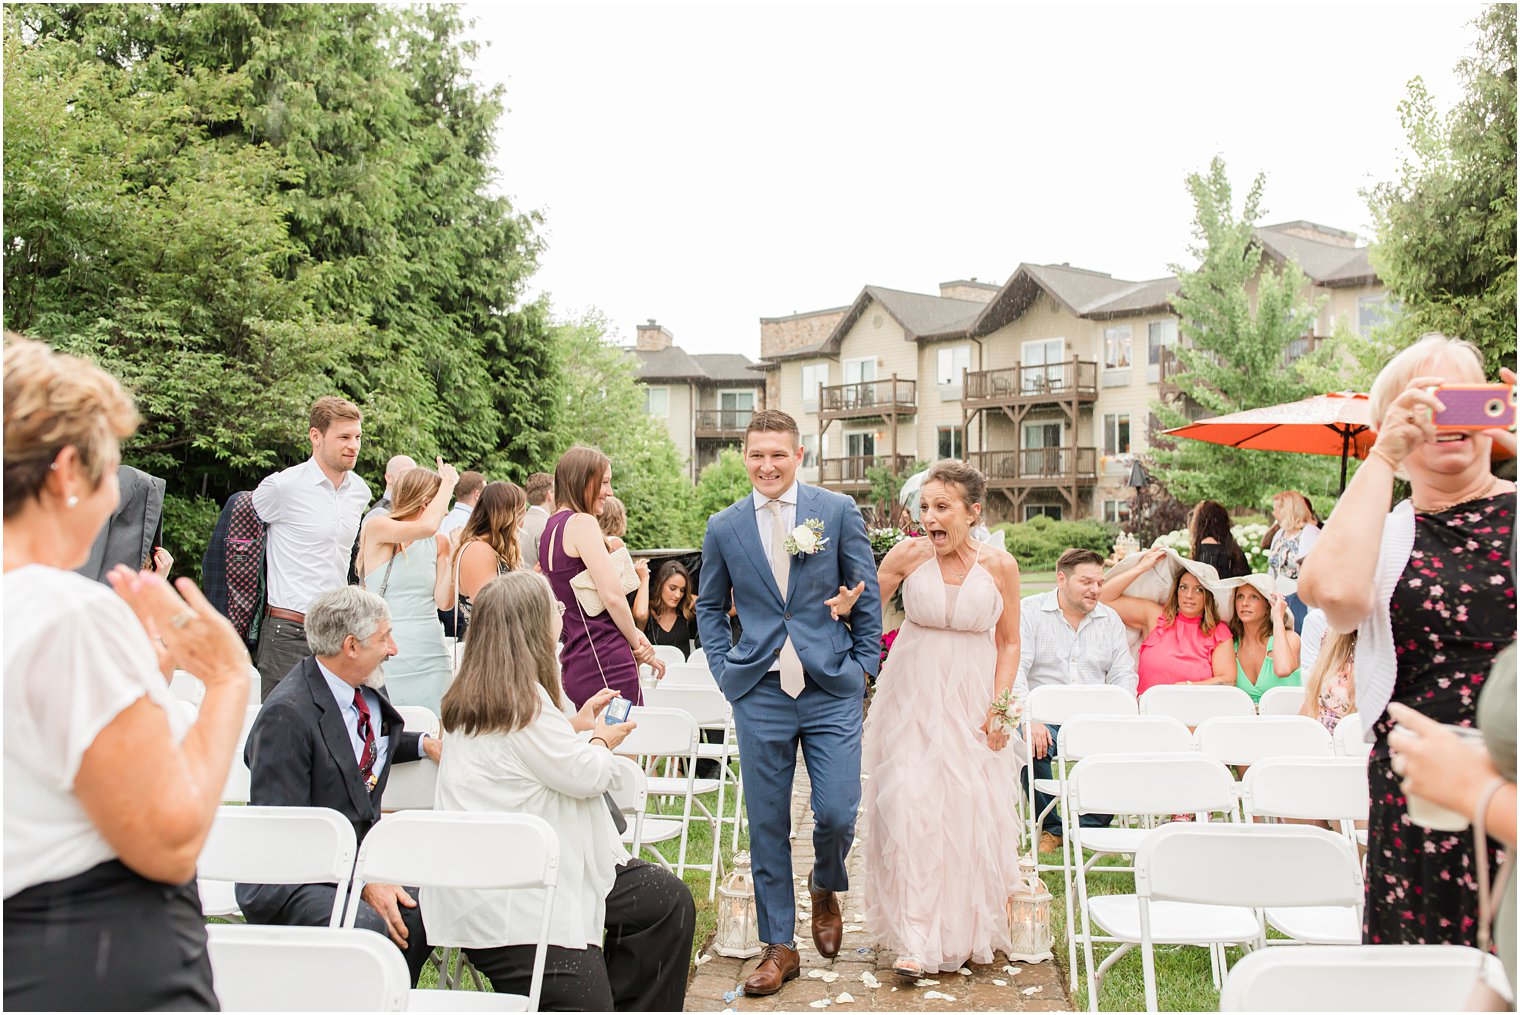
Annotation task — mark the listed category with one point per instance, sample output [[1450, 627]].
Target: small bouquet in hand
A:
[[1008, 709], [806, 539]]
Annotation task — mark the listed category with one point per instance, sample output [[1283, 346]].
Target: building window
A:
[[1116, 433], [1117, 512], [1298, 348], [1116, 343], [952, 362], [1051, 511], [1162, 335], [1372, 312], [657, 402], [809, 450], [813, 374], [951, 442]]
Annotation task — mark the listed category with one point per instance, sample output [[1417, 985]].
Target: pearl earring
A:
[[73, 501]]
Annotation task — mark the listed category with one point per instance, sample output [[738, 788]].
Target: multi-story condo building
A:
[[1044, 383], [705, 400]]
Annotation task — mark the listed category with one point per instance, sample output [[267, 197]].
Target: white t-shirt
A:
[[75, 659]]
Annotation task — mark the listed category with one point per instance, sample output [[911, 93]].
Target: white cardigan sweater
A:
[[1375, 662]]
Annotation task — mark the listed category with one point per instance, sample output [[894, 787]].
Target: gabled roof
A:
[[1328, 264], [919, 314], [1091, 294], [669, 364], [727, 367]]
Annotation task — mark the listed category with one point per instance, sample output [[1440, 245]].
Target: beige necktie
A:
[[792, 680]]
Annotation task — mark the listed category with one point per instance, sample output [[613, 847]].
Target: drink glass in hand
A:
[[1421, 811]]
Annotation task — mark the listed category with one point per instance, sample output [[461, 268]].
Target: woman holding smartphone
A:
[[1429, 589]]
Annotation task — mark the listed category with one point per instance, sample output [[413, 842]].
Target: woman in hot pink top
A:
[[1185, 641]]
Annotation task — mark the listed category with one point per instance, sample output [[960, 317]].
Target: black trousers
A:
[[282, 644], [311, 906], [107, 940], [641, 966]]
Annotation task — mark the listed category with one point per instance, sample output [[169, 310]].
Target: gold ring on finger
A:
[[181, 618]]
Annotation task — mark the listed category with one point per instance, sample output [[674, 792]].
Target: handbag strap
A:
[[1487, 894]]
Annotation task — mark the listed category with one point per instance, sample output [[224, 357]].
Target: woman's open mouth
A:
[[939, 537]]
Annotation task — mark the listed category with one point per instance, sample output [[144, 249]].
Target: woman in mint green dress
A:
[[1266, 647], [405, 561]]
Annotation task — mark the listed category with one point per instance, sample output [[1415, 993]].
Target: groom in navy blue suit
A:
[[797, 675]]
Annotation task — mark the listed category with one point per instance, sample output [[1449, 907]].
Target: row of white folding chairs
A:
[[695, 674], [1200, 883], [673, 656], [1361, 978], [306, 845]]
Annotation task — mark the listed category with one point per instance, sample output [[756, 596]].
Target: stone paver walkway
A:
[[860, 977]]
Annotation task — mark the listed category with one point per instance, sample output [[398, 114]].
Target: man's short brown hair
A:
[[772, 421], [539, 486], [1075, 558], [328, 410], [470, 483]]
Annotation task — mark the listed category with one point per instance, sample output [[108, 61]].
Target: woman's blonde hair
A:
[[508, 656], [1335, 651], [1410, 363], [496, 520], [414, 491], [614, 518], [54, 401], [1173, 607], [1299, 514]]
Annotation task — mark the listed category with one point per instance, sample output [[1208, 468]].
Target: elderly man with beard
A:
[[1069, 637], [327, 736]]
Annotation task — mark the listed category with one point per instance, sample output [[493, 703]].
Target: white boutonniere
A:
[[806, 539]]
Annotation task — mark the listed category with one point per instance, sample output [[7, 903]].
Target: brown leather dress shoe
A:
[[828, 924], [778, 963]]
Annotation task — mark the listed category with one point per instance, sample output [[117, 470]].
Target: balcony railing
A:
[[1023, 384], [890, 397], [1037, 466], [850, 472], [723, 423]]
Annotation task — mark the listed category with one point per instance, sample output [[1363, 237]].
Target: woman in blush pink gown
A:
[[940, 841]]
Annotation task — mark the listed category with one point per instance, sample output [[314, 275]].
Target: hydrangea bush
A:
[[1247, 535]]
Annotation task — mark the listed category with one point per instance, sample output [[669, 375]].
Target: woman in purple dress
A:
[[602, 650]]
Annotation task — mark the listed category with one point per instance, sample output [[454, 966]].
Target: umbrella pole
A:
[[1345, 451]]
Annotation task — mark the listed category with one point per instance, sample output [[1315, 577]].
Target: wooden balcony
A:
[[849, 474], [1021, 385], [723, 424], [869, 399], [1028, 468]]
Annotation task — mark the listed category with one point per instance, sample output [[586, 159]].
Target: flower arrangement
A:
[[1008, 709], [806, 539], [886, 643], [1248, 536]]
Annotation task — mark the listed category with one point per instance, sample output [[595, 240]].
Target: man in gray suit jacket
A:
[[129, 534], [540, 491]]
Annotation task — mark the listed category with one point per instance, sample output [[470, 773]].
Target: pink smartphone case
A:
[[1475, 406]]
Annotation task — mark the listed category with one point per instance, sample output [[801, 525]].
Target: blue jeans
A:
[[1042, 770], [1298, 608]]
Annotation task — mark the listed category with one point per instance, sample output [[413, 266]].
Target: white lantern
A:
[[738, 924], [1029, 916]]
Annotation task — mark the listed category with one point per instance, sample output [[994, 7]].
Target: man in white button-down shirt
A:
[[1068, 637], [313, 511]]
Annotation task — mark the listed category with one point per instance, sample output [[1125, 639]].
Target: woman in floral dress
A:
[[1430, 590]]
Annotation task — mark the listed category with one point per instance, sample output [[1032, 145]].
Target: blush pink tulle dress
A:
[[941, 843]]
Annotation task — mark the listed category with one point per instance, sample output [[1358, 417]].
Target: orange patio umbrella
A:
[[1338, 423]]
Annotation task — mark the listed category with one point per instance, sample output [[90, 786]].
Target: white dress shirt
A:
[[763, 519], [548, 770], [345, 695], [1051, 652], [312, 527]]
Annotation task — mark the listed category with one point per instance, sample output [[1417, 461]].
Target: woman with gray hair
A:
[[1429, 590]]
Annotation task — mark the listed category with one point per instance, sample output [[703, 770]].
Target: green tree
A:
[[1446, 225], [239, 207], [1239, 316], [721, 484], [601, 404]]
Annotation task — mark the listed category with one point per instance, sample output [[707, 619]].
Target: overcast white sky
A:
[[708, 164]]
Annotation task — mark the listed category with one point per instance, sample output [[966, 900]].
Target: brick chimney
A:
[[968, 289], [653, 337]]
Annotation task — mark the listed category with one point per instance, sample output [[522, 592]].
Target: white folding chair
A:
[[712, 712], [1245, 740], [670, 655], [184, 687], [1197, 865], [1379, 978], [1087, 735], [1150, 784], [1347, 737], [1319, 789], [685, 674], [470, 852], [1191, 705], [274, 846], [698, 657], [269, 968], [1281, 701], [412, 786], [237, 787], [1053, 704], [672, 735]]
